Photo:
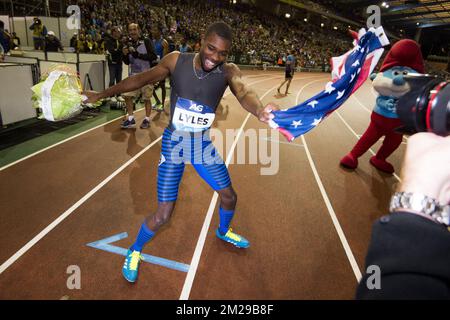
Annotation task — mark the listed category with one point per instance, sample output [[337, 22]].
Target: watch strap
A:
[[421, 204]]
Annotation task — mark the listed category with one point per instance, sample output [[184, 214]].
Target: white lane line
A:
[[357, 137], [337, 225], [284, 142], [202, 238], [64, 215]]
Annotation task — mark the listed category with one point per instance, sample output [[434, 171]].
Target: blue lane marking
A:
[[104, 245]]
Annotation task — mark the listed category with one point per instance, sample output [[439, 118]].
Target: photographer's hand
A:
[[426, 167]]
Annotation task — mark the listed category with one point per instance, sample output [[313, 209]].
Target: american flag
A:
[[349, 72]]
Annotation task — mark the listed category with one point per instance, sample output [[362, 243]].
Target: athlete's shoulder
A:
[[170, 60], [172, 56], [231, 70]]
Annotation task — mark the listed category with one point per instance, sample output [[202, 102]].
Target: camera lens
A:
[[426, 107]]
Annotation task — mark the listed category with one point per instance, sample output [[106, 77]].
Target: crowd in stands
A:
[[258, 37]]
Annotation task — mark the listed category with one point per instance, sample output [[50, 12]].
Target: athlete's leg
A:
[[228, 200], [215, 173], [169, 176]]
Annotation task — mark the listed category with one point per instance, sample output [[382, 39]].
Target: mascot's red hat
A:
[[405, 53]]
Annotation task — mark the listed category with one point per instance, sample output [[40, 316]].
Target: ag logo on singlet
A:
[[196, 107]]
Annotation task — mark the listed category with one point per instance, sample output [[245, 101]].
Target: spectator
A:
[[90, 46], [115, 56], [138, 54], [184, 47], [39, 33], [289, 71], [81, 43], [172, 46], [52, 43], [5, 39], [161, 49], [259, 32], [73, 41], [15, 41]]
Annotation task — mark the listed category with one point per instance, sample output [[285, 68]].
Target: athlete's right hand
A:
[[92, 96], [265, 115]]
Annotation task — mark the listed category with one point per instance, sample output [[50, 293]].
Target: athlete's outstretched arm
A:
[[159, 72], [248, 98]]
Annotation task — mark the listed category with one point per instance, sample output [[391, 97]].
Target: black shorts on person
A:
[[289, 74]]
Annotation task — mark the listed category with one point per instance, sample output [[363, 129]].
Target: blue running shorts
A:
[[180, 147]]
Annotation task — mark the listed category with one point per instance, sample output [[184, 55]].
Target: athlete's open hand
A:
[[92, 96], [265, 115]]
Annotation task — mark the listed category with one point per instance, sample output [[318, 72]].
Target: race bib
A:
[[192, 116]]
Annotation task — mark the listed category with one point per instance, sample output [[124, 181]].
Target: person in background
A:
[[100, 44], [90, 46], [184, 46], [52, 43], [73, 41], [15, 41], [172, 45], [161, 49], [5, 39], [39, 33], [114, 49], [138, 54], [289, 71]]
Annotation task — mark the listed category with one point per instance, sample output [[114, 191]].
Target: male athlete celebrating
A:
[[198, 82]]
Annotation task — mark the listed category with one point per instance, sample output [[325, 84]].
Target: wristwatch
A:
[[421, 204]]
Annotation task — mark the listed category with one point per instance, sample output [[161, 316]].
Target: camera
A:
[[426, 107], [131, 45]]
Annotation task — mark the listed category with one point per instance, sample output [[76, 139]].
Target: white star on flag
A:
[[356, 63], [340, 94], [296, 123], [329, 87], [316, 122], [356, 49], [313, 103], [352, 77]]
